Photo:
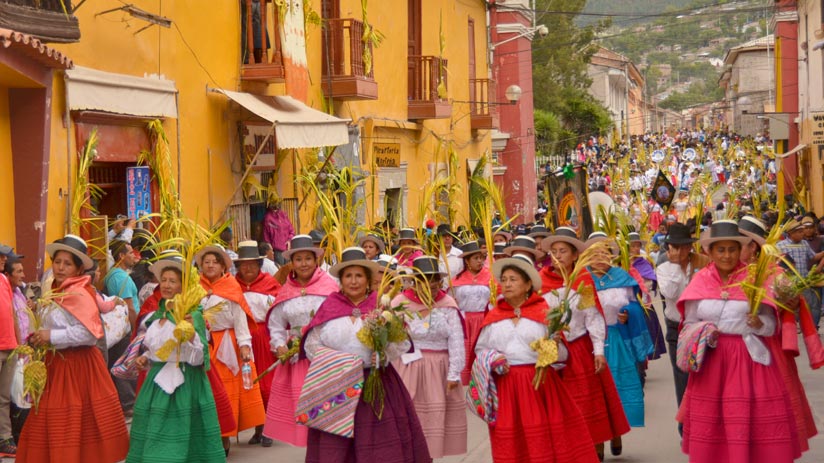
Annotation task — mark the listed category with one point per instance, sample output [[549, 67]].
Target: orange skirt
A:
[[246, 405], [79, 417]]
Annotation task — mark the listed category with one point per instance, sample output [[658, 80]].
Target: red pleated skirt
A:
[[804, 422], [264, 358], [737, 411], [79, 418], [595, 395], [538, 426], [472, 325]]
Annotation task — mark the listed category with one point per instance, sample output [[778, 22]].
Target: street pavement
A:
[[658, 442]]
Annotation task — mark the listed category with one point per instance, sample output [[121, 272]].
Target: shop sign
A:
[[817, 128], [387, 154], [138, 191]]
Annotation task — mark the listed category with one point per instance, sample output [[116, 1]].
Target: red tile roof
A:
[[35, 49]]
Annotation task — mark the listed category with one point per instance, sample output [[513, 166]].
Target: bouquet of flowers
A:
[[788, 287], [381, 327], [558, 318]]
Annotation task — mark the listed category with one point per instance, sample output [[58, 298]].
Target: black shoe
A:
[[600, 457], [7, 448], [226, 449], [616, 450], [255, 440], [265, 441]]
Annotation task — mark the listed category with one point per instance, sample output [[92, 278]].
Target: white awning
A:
[[296, 125], [90, 89]]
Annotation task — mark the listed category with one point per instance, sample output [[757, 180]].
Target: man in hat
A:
[[449, 258], [673, 276], [803, 258], [811, 235], [268, 254]]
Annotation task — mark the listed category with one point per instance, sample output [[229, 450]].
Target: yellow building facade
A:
[[425, 97]]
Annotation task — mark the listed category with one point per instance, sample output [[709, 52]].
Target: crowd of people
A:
[[376, 353]]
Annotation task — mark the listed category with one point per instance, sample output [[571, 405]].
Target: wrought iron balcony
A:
[[51, 21], [482, 106], [425, 74], [345, 73], [261, 49]]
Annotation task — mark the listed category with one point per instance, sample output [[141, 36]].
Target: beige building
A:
[[620, 87], [747, 80], [810, 116]]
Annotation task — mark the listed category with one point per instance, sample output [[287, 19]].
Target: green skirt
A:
[[181, 427]]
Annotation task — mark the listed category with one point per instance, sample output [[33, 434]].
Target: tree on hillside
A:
[[559, 71]]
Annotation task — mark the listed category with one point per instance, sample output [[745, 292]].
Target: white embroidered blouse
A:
[[293, 314], [588, 320], [471, 298], [341, 334], [230, 316], [729, 316], [440, 329], [512, 339], [259, 303], [170, 376], [612, 301], [65, 330]]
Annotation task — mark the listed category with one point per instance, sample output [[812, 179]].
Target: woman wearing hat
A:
[[176, 395], [259, 290], [586, 376], [679, 266], [736, 406], [630, 342], [79, 412], [432, 373], [408, 247], [231, 328], [784, 345], [471, 292], [372, 245], [394, 437], [642, 270], [530, 425], [305, 289]]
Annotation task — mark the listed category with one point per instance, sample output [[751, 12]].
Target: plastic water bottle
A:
[[246, 373]]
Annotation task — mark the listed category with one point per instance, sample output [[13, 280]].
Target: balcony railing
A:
[[425, 74], [344, 70], [45, 19], [260, 40], [483, 114]]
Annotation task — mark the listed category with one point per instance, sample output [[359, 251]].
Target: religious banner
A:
[[662, 190], [568, 200]]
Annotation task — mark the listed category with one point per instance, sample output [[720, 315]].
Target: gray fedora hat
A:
[[169, 258], [426, 265], [563, 235], [522, 262], [723, 230], [351, 257], [521, 244], [74, 245], [754, 228], [302, 243]]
